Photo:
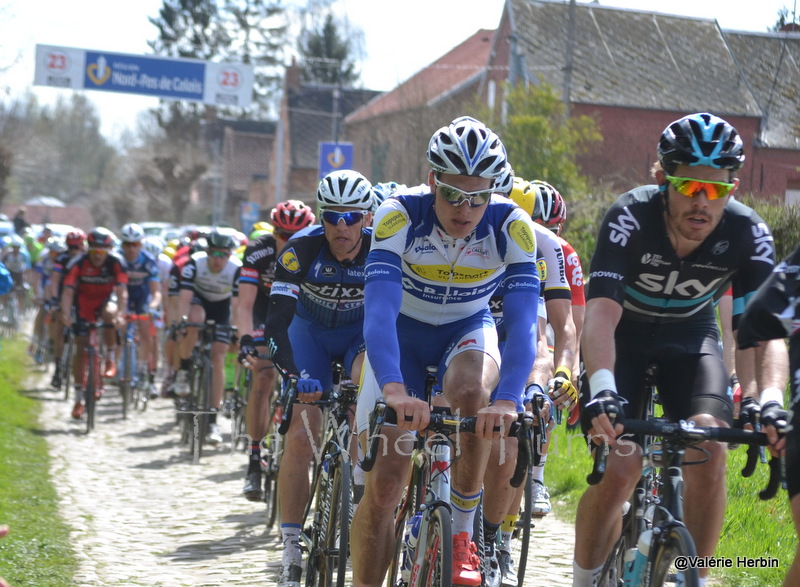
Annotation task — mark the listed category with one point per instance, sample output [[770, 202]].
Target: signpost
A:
[[217, 84], [334, 156]]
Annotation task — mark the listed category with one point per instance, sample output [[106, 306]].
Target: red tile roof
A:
[[439, 79]]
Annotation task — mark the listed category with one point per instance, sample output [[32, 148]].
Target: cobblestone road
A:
[[143, 514]]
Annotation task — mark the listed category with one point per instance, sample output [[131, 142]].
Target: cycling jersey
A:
[[574, 273], [94, 285], [213, 287], [426, 278], [635, 264], [141, 271], [320, 290], [258, 269], [180, 259], [774, 312], [17, 262]]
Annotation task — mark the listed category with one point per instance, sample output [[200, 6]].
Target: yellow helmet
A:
[[522, 195], [169, 251], [261, 225]]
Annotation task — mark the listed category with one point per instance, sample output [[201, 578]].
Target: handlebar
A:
[[443, 422], [687, 434]]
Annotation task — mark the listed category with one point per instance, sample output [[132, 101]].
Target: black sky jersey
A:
[[635, 264]]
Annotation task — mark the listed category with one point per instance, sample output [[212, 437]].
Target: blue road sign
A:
[[334, 156]]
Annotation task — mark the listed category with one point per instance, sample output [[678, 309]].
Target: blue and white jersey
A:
[[141, 271], [446, 279]]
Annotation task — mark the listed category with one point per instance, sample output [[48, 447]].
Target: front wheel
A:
[[675, 543], [436, 566]]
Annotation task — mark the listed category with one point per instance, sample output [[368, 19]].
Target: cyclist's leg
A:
[[257, 416], [694, 385], [372, 529], [793, 465], [110, 337]]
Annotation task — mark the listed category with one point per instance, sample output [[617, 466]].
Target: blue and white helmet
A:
[[383, 190], [153, 246], [467, 147], [505, 182], [700, 139], [346, 188]]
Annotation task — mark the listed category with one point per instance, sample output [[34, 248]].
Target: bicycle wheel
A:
[[675, 542], [521, 536], [337, 532], [437, 560], [202, 404], [614, 567], [127, 376], [272, 448], [90, 388], [66, 362]]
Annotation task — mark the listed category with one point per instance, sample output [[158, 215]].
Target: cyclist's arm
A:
[[383, 295], [122, 300], [155, 294], [276, 328], [559, 314], [244, 311]]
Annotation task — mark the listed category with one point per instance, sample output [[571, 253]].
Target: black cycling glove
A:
[[605, 402], [247, 348]]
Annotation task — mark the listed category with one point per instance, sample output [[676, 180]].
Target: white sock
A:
[[291, 544], [585, 577], [537, 473], [464, 507]]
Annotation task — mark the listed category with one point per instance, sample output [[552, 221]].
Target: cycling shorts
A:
[[89, 309], [219, 312], [137, 304], [424, 344], [793, 433], [315, 347], [689, 372]]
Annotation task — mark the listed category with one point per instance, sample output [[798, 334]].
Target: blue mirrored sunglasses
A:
[[350, 218]]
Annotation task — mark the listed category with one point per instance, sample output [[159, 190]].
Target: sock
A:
[[255, 457], [464, 507], [585, 577], [507, 529], [537, 473], [291, 545], [212, 417], [185, 364], [490, 532]]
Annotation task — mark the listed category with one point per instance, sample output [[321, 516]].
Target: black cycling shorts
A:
[[219, 312], [793, 435], [689, 372]]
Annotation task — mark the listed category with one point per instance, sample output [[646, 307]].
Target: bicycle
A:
[[327, 539], [92, 373], [423, 534], [65, 364], [133, 378], [653, 533]]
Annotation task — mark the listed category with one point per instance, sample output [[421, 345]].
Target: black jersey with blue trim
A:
[[636, 265], [329, 292]]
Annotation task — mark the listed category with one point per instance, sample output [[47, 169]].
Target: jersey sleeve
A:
[[188, 274], [758, 261], [574, 274]]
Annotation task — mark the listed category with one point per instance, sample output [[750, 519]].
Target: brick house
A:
[[633, 71]]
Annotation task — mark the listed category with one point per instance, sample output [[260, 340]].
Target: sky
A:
[[400, 37]]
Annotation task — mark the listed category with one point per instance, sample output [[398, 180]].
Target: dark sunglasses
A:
[[349, 218], [691, 187], [457, 196]]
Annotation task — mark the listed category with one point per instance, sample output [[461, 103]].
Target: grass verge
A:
[[37, 550], [752, 528]]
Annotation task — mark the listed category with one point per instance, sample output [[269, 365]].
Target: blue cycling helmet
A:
[[383, 190], [700, 139]]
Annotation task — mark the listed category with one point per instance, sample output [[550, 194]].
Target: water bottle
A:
[[640, 561], [410, 539], [630, 558]]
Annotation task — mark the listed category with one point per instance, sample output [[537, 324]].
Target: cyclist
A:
[[144, 292], [774, 313], [258, 273], [209, 291], [663, 252], [76, 246], [89, 284], [433, 266], [154, 246], [18, 262], [181, 255], [43, 269], [316, 313]]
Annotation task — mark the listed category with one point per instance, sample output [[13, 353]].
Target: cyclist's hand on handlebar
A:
[[562, 390], [542, 402], [749, 413], [773, 420], [308, 390], [247, 349], [495, 420], [602, 418], [412, 412]]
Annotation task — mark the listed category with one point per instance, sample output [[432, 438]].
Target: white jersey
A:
[[213, 287]]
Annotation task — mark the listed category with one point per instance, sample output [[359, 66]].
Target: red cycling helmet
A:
[[76, 238], [291, 216]]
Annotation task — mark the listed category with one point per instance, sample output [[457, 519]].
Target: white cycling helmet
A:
[[153, 246], [505, 181], [132, 233], [346, 188], [467, 147]]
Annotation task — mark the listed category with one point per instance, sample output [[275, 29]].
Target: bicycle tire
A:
[[614, 567], [437, 561], [337, 532], [66, 362], [90, 388], [521, 536], [203, 404], [675, 542], [125, 380], [272, 447]]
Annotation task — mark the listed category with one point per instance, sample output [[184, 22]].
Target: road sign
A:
[[249, 214], [333, 156], [220, 84]]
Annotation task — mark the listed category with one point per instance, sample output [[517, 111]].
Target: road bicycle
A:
[[90, 369], [133, 381], [423, 533], [42, 343], [653, 533], [65, 363], [327, 539]]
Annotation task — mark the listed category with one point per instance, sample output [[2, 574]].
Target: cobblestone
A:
[[142, 513]]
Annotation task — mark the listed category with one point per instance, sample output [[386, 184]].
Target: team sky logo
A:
[[289, 261], [765, 250], [669, 284], [622, 227]]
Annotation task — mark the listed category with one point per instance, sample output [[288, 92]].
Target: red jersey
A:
[[574, 273], [94, 285]]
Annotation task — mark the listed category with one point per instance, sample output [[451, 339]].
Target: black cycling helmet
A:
[[100, 238], [221, 240], [700, 139]]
